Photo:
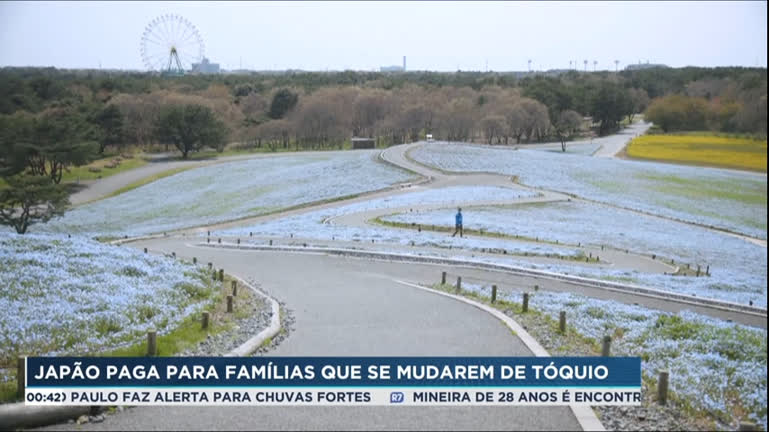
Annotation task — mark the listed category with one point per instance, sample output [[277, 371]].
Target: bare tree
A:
[[493, 125], [568, 122], [369, 108], [515, 119]]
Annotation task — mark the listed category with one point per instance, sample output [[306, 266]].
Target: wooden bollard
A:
[[562, 322], [204, 322], [250, 234], [493, 293], [270, 242], [606, 347], [215, 275], [654, 256], [210, 265], [173, 254], [443, 278], [525, 306], [152, 343], [21, 374], [536, 287], [238, 241], [209, 233], [747, 426], [419, 229], [221, 275], [698, 270], [229, 304], [219, 240], [707, 270], [208, 239], [194, 260], [662, 387], [459, 283], [145, 250], [234, 288]]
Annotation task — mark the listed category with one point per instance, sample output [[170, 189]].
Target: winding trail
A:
[[351, 307], [355, 307]]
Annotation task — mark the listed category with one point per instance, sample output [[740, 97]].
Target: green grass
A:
[[235, 150], [8, 390], [482, 233], [625, 279], [739, 190], [185, 336], [82, 172], [73, 174], [544, 328], [189, 333], [568, 341]]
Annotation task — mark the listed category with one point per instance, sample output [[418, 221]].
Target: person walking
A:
[[458, 223]]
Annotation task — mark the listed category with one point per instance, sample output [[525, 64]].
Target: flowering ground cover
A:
[[229, 191], [737, 268], [705, 149], [715, 366], [74, 295], [725, 199], [314, 224]]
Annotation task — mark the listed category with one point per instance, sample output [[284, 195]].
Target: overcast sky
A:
[[443, 36]]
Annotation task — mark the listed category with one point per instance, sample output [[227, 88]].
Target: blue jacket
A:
[[458, 217]]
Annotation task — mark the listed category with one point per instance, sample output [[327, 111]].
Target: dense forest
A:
[[54, 119], [318, 110]]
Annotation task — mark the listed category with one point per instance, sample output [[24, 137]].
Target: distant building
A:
[[394, 68], [205, 67]]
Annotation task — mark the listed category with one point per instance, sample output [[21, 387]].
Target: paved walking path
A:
[[351, 307]]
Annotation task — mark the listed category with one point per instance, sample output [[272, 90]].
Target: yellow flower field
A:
[[727, 152]]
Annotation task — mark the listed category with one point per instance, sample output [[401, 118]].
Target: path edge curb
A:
[[251, 345], [585, 415], [431, 259]]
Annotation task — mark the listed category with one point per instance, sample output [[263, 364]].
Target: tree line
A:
[[53, 119]]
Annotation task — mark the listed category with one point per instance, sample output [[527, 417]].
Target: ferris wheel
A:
[[171, 44]]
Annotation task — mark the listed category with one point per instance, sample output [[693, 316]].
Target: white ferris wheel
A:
[[171, 44]]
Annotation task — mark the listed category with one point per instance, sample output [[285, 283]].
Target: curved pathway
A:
[[350, 307]]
